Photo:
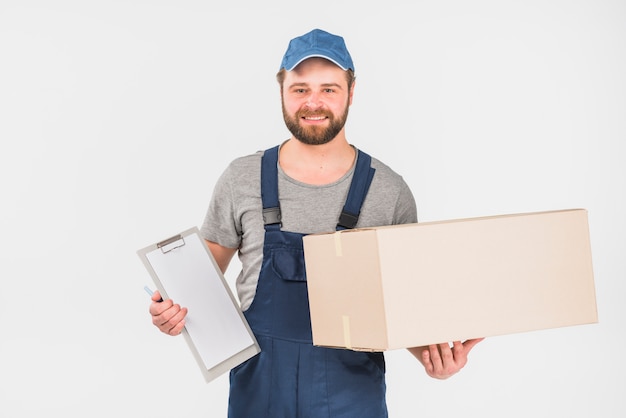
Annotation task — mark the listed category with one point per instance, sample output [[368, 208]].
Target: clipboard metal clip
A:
[[170, 244]]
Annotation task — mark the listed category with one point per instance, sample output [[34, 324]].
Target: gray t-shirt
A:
[[234, 217]]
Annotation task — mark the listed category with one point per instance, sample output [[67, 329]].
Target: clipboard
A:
[[216, 331]]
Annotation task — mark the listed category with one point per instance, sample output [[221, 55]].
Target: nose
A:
[[313, 101]]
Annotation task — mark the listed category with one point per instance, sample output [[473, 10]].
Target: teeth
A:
[[315, 117]]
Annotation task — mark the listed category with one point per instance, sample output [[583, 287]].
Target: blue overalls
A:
[[291, 378]]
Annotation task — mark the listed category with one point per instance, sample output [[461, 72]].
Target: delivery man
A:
[[262, 206]]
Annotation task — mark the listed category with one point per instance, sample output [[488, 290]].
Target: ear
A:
[[351, 93]]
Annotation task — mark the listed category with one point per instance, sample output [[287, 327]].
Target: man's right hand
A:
[[167, 316]]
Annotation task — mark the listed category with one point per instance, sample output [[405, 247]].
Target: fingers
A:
[[436, 359], [156, 307], [446, 353], [168, 317], [469, 344], [460, 355], [428, 363], [442, 361], [156, 296], [176, 329], [462, 349]]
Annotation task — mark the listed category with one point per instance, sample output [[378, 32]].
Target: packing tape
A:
[[338, 250], [346, 331]]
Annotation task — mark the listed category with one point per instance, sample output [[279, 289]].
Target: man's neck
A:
[[317, 164]]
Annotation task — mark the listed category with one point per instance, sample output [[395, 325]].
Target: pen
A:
[[150, 292]]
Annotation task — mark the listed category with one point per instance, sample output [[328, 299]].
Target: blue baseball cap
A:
[[317, 43]]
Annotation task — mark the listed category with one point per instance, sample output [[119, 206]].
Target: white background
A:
[[117, 117]]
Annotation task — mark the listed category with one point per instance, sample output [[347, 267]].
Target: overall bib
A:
[[291, 378]]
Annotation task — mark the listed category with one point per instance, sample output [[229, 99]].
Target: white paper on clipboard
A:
[[216, 330]]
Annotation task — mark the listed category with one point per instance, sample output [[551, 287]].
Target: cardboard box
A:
[[383, 288]]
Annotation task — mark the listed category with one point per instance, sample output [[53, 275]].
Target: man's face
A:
[[315, 100]]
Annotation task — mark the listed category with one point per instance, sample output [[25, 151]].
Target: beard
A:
[[315, 135]]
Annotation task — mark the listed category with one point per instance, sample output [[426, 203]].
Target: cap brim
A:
[[316, 55]]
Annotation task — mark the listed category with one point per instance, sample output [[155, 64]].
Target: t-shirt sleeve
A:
[[221, 223], [406, 208]]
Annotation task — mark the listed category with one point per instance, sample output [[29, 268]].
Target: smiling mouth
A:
[[314, 118]]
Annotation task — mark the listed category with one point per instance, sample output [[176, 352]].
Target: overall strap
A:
[[269, 188], [361, 180]]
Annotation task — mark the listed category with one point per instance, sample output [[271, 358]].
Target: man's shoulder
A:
[[253, 158], [245, 168], [386, 179], [383, 170], [246, 164]]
